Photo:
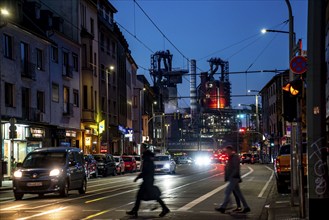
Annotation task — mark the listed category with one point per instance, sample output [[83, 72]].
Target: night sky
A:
[[201, 29]]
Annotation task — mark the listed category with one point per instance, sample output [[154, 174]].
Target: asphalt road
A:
[[192, 193]]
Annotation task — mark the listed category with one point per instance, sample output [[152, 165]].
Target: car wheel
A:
[[18, 196], [114, 172], [64, 192], [83, 188], [95, 174]]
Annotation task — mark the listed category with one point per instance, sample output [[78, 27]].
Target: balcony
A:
[[67, 72], [68, 110], [28, 70]]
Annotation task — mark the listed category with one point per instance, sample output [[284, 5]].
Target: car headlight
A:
[[167, 166], [202, 161], [18, 174], [54, 172]]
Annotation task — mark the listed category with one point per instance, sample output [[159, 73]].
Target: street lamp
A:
[[3, 14], [111, 69]]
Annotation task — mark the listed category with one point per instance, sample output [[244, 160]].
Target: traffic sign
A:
[[298, 64]]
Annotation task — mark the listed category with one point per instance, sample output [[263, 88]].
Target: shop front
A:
[[15, 149]]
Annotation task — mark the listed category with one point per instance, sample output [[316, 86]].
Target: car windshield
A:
[[127, 159], [161, 158], [116, 159], [99, 157], [138, 158], [44, 159]]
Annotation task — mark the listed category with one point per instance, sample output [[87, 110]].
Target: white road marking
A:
[[43, 213], [266, 184], [11, 207], [211, 193]]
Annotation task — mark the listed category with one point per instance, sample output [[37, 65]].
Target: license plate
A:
[[34, 184], [128, 165], [157, 169]]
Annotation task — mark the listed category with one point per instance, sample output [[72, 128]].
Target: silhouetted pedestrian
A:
[[232, 175], [147, 190]]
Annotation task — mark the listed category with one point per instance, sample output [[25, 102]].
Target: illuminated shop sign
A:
[[70, 133], [37, 132]]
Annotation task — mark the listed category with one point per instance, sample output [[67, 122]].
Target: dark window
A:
[[55, 93], [39, 59], [54, 54], [75, 62], [8, 50], [65, 58], [24, 56], [9, 94], [102, 41], [41, 101], [76, 98]]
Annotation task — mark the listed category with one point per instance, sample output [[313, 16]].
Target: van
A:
[[50, 170]]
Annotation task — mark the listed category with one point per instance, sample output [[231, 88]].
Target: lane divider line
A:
[[267, 183], [209, 194]]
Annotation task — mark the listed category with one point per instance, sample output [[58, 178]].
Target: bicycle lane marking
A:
[[209, 194], [267, 183]]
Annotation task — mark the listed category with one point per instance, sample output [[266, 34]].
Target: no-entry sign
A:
[[298, 64]]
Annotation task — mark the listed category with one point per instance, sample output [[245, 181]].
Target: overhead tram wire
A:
[[241, 41]]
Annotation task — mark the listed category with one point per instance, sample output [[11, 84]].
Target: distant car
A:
[[90, 166], [50, 170], [184, 160], [245, 158], [130, 163], [120, 164], [215, 158], [105, 164], [165, 164], [223, 158], [255, 158], [138, 161]]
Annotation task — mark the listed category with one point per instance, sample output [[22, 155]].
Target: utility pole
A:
[[318, 180]]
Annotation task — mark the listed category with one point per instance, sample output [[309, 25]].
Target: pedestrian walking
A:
[[232, 175], [147, 190]]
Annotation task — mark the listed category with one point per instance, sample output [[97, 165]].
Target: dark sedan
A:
[[105, 164]]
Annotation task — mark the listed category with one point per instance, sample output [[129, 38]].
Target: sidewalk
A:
[[278, 206]]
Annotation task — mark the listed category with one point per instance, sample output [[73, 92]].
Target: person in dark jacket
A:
[[232, 175], [146, 190]]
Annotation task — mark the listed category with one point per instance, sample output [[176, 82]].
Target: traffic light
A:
[[294, 87], [12, 129], [272, 142], [291, 91], [242, 130]]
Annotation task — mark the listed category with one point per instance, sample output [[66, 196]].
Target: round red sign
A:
[[298, 64]]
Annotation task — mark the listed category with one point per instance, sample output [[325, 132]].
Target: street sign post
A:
[[298, 64]]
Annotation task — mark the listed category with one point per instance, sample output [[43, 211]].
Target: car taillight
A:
[[277, 165]]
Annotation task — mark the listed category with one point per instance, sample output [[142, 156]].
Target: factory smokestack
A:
[[193, 92]]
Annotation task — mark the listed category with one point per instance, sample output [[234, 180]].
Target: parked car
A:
[[282, 167], [138, 162], [105, 164], [164, 163], [50, 170], [245, 158], [90, 166], [130, 163], [119, 164]]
